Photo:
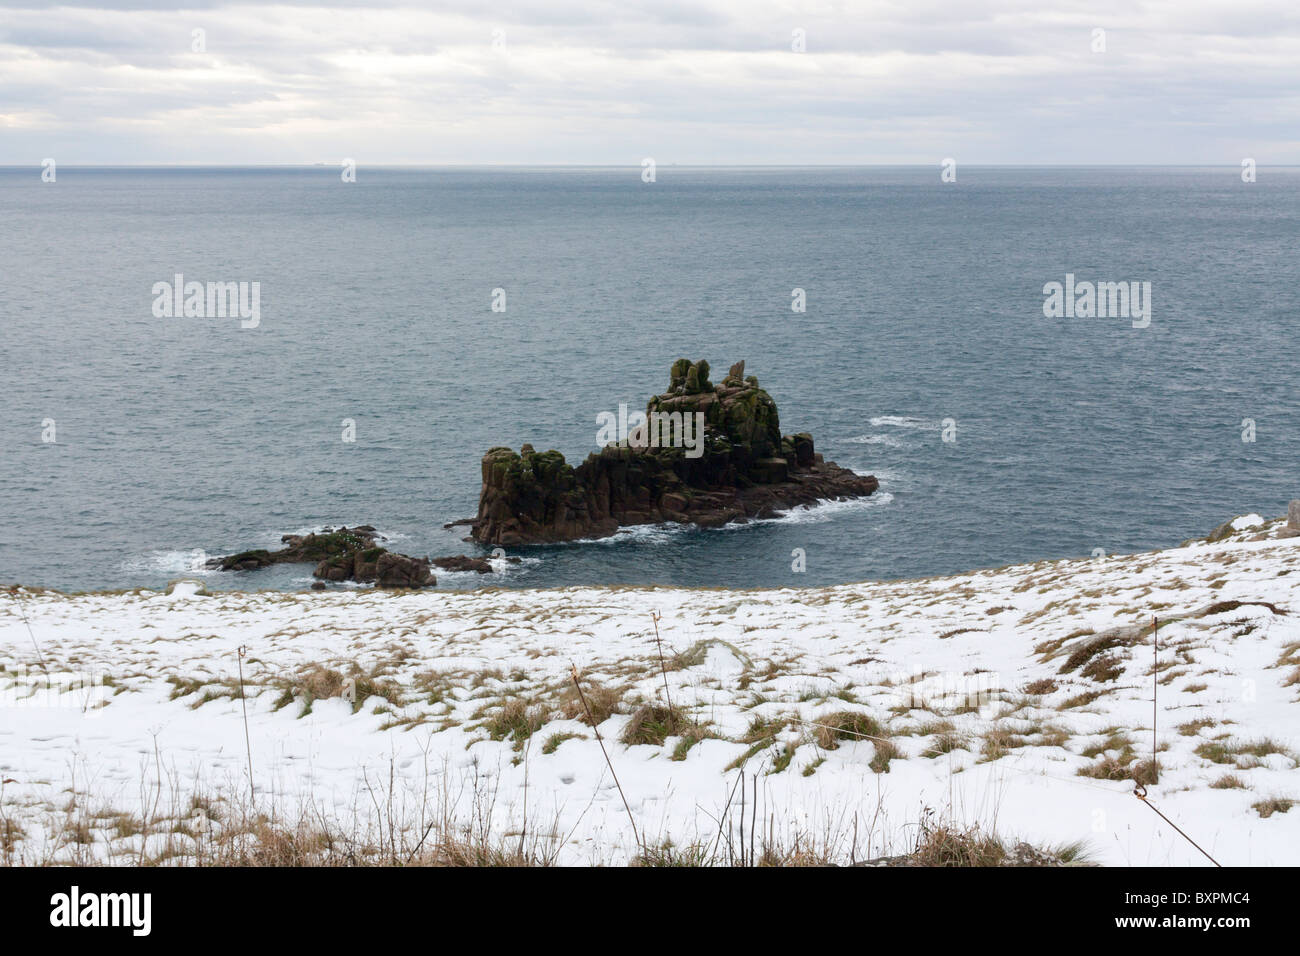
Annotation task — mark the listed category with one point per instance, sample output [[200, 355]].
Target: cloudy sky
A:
[[605, 82]]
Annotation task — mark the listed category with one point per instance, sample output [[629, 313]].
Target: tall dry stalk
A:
[[573, 671], [663, 666], [243, 700]]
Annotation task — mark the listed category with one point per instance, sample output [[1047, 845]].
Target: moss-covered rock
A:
[[246, 560], [343, 554], [740, 467]]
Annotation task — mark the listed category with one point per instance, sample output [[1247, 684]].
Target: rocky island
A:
[[745, 469]]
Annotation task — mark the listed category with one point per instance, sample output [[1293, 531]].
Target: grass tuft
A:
[[1266, 808]]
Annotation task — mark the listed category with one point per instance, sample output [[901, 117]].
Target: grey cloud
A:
[[599, 82]]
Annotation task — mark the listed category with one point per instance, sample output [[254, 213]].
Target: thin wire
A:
[[1141, 793]]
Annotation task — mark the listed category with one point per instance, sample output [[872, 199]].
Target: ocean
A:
[[134, 445]]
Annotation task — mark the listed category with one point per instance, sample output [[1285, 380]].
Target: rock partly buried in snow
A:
[[1262, 527], [1219, 533], [1239, 523], [183, 588], [345, 554], [740, 468]]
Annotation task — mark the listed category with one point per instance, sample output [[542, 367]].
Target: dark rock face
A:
[[244, 561], [302, 549], [346, 554], [745, 469], [463, 562], [400, 571]]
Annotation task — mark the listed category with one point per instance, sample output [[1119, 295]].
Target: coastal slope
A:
[[1018, 699]]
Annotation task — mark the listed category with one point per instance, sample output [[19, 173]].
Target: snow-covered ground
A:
[[1019, 699]]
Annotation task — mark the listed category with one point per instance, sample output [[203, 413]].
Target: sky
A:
[[698, 82]]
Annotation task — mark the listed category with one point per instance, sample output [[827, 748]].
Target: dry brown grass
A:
[[516, 720], [1266, 808], [262, 842], [1083, 657], [1193, 727], [316, 682], [999, 741], [847, 725], [1244, 754], [800, 853], [1222, 607], [603, 701], [1124, 766], [946, 844], [1103, 669], [655, 723], [10, 833], [1081, 700], [1229, 781]]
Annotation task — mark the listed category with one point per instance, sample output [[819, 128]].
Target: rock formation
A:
[[346, 554], [745, 469], [386, 568], [462, 562]]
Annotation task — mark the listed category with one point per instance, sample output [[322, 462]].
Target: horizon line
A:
[[637, 165]]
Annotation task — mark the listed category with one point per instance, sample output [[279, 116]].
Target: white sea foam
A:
[[380, 533], [887, 440], [502, 567], [193, 561], [885, 476], [355, 585], [505, 566], [666, 532], [820, 512], [904, 421], [642, 534]]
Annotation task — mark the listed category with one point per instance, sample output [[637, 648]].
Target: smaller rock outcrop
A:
[[462, 562], [402, 571], [302, 549], [345, 554]]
